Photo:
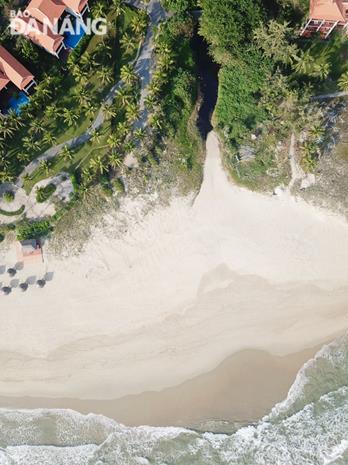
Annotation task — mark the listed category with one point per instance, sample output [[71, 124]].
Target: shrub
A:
[[44, 193], [2, 237], [119, 186], [8, 196], [34, 230], [13, 213]]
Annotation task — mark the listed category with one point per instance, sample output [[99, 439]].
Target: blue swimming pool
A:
[[73, 38], [16, 102]]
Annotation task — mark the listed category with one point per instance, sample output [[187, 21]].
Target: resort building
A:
[[41, 21], [29, 250], [325, 16], [14, 77]]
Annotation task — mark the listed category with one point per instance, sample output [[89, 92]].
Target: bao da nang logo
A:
[[23, 23]]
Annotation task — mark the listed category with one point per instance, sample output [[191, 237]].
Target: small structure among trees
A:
[[29, 249], [325, 16]]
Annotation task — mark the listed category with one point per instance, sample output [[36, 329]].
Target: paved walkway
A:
[[143, 65]]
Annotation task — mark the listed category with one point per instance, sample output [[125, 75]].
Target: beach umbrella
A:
[[11, 271], [41, 282], [23, 286], [6, 290]]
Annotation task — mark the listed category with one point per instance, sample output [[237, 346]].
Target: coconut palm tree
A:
[[45, 166], [105, 75], [97, 164], [98, 10], [122, 128], [31, 144], [128, 43], [115, 161], [66, 154], [7, 129], [69, 117], [113, 141], [343, 82], [95, 137], [139, 134], [117, 7], [37, 127], [108, 110], [128, 75], [138, 24], [124, 96], [51, 112], [132, 112], [48, 138]]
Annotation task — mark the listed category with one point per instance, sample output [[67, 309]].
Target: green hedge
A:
[[34, 230], [13, 213], [44, 193]]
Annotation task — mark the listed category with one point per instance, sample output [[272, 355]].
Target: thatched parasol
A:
[[41, 282], [23, 286], [6, 290], [11, 271]]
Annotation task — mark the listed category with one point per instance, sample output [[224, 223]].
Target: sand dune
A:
[[186, 287]]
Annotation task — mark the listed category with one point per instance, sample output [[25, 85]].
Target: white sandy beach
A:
[[187, 287]]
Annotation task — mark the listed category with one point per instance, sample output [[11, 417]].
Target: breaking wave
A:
[[310, 427]]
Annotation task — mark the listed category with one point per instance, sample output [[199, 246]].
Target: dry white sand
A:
[[185, 288]]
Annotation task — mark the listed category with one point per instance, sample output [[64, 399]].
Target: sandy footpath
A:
[[187, 287]]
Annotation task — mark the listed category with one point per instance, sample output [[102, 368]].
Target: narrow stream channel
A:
[[208, 78]]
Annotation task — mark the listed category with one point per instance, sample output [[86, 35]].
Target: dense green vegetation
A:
[[267, 77], [32, 230], [44, 193], [70, 93]]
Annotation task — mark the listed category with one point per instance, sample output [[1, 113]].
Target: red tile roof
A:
[[12, 70], [36, 32], [329, 10], [46, 11]]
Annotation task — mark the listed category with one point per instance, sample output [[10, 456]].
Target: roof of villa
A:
[[12, 70], [329, 10], [37, 33], [46, 11]]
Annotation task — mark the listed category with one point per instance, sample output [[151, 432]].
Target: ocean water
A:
[[310, 427]]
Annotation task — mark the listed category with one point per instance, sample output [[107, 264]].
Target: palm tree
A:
[[69, 117], [128, 75], [165, 61], [51, 112], [122, 128], [95, 137], [113, 141], [138, 24], [97, 165], [6, 128], [128, 43], [66, 154], [23, 157], [124, 96], [45, 166], [108, 111], [36, 127], [48, 138], [98, 10], [343, 82], [105, 75], [132, 112], [90, 111], [115, 160], [139, 133], [117, 7], [31, 144]]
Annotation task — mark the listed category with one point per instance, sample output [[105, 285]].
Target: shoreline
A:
[[240, 391], [175, 295]]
